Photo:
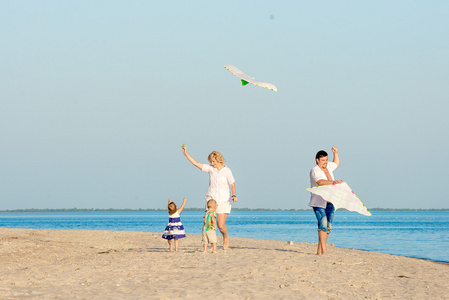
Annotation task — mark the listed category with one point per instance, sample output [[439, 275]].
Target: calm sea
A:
[[415, 234]]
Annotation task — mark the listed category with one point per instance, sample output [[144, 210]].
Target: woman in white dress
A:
[[220, 179]]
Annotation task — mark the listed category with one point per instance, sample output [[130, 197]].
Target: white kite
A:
[[341, 196], [246, 79]]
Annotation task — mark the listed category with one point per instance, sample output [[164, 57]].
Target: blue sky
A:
[[97, 98]]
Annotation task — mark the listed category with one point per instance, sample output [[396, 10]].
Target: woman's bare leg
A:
[[221, 222]]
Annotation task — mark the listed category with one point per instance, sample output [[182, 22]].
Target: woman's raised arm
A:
[[191, 159]]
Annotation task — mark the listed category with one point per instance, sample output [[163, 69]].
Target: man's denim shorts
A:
[[325, 217]]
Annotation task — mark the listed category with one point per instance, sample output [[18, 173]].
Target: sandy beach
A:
[[83, 264]]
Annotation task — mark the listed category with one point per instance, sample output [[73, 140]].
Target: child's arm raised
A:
[[169, 201], [182, 206]]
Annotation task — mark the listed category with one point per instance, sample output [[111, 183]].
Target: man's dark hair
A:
[[320, 154]]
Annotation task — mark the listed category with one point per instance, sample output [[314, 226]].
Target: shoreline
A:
[[96, 264], [218, 234]]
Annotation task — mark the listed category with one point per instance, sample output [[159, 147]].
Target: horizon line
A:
[[75, 209]]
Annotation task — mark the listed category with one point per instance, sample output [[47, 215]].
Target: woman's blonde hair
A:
[[216, 156], [172, 208]]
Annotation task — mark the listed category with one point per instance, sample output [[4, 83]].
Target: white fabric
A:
[[239, 74], [222, 207], [175, 215], [317, 174], [219, 182], [341, 196]]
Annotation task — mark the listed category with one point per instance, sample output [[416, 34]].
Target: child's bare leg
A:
[[176, 244], [170, 247], [205, 248], [214, 248]]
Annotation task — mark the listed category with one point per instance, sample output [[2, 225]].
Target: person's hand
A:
[[334, 149], [169, 201], [337, 181], [184, 149], [234, 198]]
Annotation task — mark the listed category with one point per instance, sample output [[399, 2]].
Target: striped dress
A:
[[174, 229]]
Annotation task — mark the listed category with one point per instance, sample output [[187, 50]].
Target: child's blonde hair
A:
[[216, 156], [211, 203], [172, 208]]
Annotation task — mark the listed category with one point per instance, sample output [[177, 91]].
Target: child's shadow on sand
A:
[[152, 250]]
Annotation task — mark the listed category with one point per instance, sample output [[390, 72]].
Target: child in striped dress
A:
[[174, 229]]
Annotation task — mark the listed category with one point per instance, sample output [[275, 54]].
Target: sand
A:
[[84, 264]]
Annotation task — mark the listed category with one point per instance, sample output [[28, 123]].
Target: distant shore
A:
[[202, 209], [88, 264]]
